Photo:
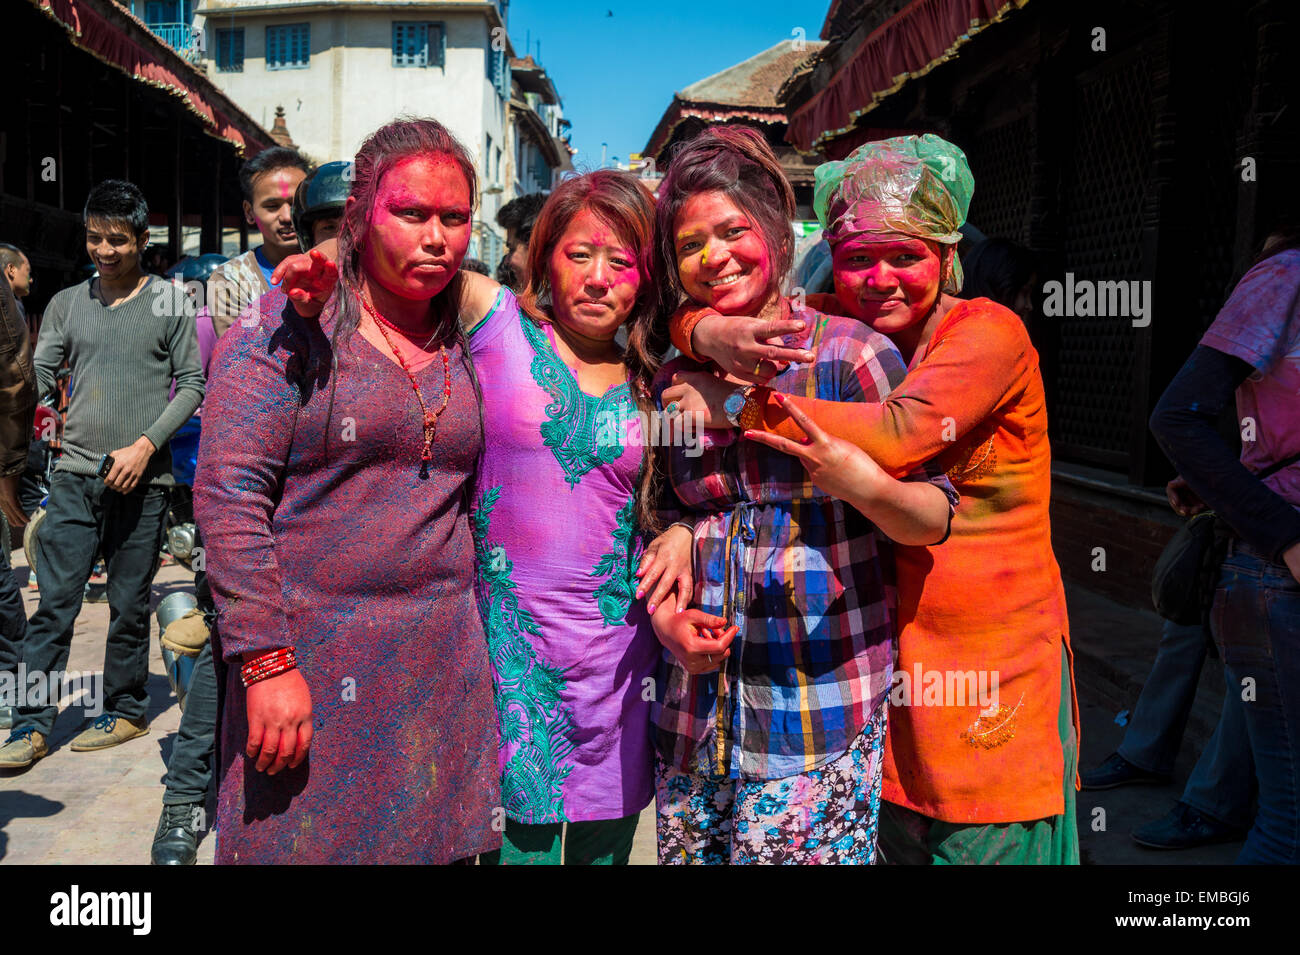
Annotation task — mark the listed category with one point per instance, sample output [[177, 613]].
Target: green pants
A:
[[909, 838], [602, 842]]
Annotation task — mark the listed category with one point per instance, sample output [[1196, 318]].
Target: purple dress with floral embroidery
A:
[[557, 546], [321, 535]]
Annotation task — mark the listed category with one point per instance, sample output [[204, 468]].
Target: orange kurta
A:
[[989, 599]]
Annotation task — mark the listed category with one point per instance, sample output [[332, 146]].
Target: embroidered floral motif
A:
[[531, 715], [584, 432], [977, 461], [614, 596], [993, 729]]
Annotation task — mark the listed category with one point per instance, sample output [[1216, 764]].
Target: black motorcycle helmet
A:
[[319, 195], [195, 268]]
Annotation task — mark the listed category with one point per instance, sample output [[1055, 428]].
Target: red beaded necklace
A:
[[430, 417]]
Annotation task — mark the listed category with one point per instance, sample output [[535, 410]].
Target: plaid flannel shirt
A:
[[806, 578]]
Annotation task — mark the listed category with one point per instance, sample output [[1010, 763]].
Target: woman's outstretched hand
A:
[[308, 281], [279, 722], [840, 469], [748, 348]]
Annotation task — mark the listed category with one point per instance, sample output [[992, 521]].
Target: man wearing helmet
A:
[[318, 203]]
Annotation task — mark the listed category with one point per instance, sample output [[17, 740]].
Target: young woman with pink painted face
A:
[[562, 504], [769, 735]]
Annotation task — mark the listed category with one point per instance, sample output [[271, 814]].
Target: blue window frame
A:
[[230, 50], [499, 72], [418, 44], [288, 47]]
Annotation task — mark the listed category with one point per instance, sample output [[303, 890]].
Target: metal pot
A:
[[179, 668]]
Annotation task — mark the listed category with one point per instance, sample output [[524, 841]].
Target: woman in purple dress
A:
[[333, 487], [563, 500]]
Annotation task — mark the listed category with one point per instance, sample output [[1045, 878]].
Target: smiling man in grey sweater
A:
[[125, 338]]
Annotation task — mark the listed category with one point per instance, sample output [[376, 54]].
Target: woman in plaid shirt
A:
[[770, 732]]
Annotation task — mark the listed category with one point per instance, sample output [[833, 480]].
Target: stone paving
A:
[[102, 808]]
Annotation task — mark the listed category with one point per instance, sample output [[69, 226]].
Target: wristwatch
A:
[[742, 409]]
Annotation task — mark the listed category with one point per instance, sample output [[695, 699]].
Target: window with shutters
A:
[[288, 47], [418, 44], [230, 51]]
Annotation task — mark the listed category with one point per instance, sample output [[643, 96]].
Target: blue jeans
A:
[[1223, 782], [13, 615], [1256, 622]]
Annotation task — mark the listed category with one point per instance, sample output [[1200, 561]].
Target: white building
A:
[[539, 146], [343, 68]]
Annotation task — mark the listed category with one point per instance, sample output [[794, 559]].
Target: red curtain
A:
[[907, 45], [144, 60]]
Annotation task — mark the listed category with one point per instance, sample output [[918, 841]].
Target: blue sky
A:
[[616, 75]]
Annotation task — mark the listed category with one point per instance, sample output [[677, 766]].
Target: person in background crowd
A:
[[987, 777], [18, 271], [155, 260], [17, 404], [318, 203], [476, 265], [108, 489], [189, 769], [773, 752], [517, 217], [268, 182], [1216, 802], [1252, 353], [1002, 271]]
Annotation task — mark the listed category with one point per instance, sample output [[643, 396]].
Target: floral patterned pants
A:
[[825, 816]]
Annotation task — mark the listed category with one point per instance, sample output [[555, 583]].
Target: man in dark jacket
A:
[[17, 404]]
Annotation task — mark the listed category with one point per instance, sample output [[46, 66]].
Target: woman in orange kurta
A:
[[982, 742]]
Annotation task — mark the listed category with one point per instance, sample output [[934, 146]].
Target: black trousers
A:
[[82, 519], [189, 771]]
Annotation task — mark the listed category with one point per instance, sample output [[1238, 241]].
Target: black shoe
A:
[[1118, 771], [1185, 828], [177, 840]]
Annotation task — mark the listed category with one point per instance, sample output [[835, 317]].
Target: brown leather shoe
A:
[[108, 731], [22, 749], [187, 634]]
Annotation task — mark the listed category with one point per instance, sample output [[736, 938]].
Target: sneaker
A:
[[108, 731], [187, 634], [21, 749], [1185, 828], [176, 842], [6, 717], [1118, 771]]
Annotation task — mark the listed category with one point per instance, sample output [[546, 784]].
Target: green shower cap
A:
[[917, 186]]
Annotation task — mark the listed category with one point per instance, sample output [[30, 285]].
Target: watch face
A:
[[734, 404]]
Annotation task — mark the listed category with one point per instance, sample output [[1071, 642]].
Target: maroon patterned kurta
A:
[[346, 554]]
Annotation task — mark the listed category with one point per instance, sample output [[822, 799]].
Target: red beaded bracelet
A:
[[268, 665]]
